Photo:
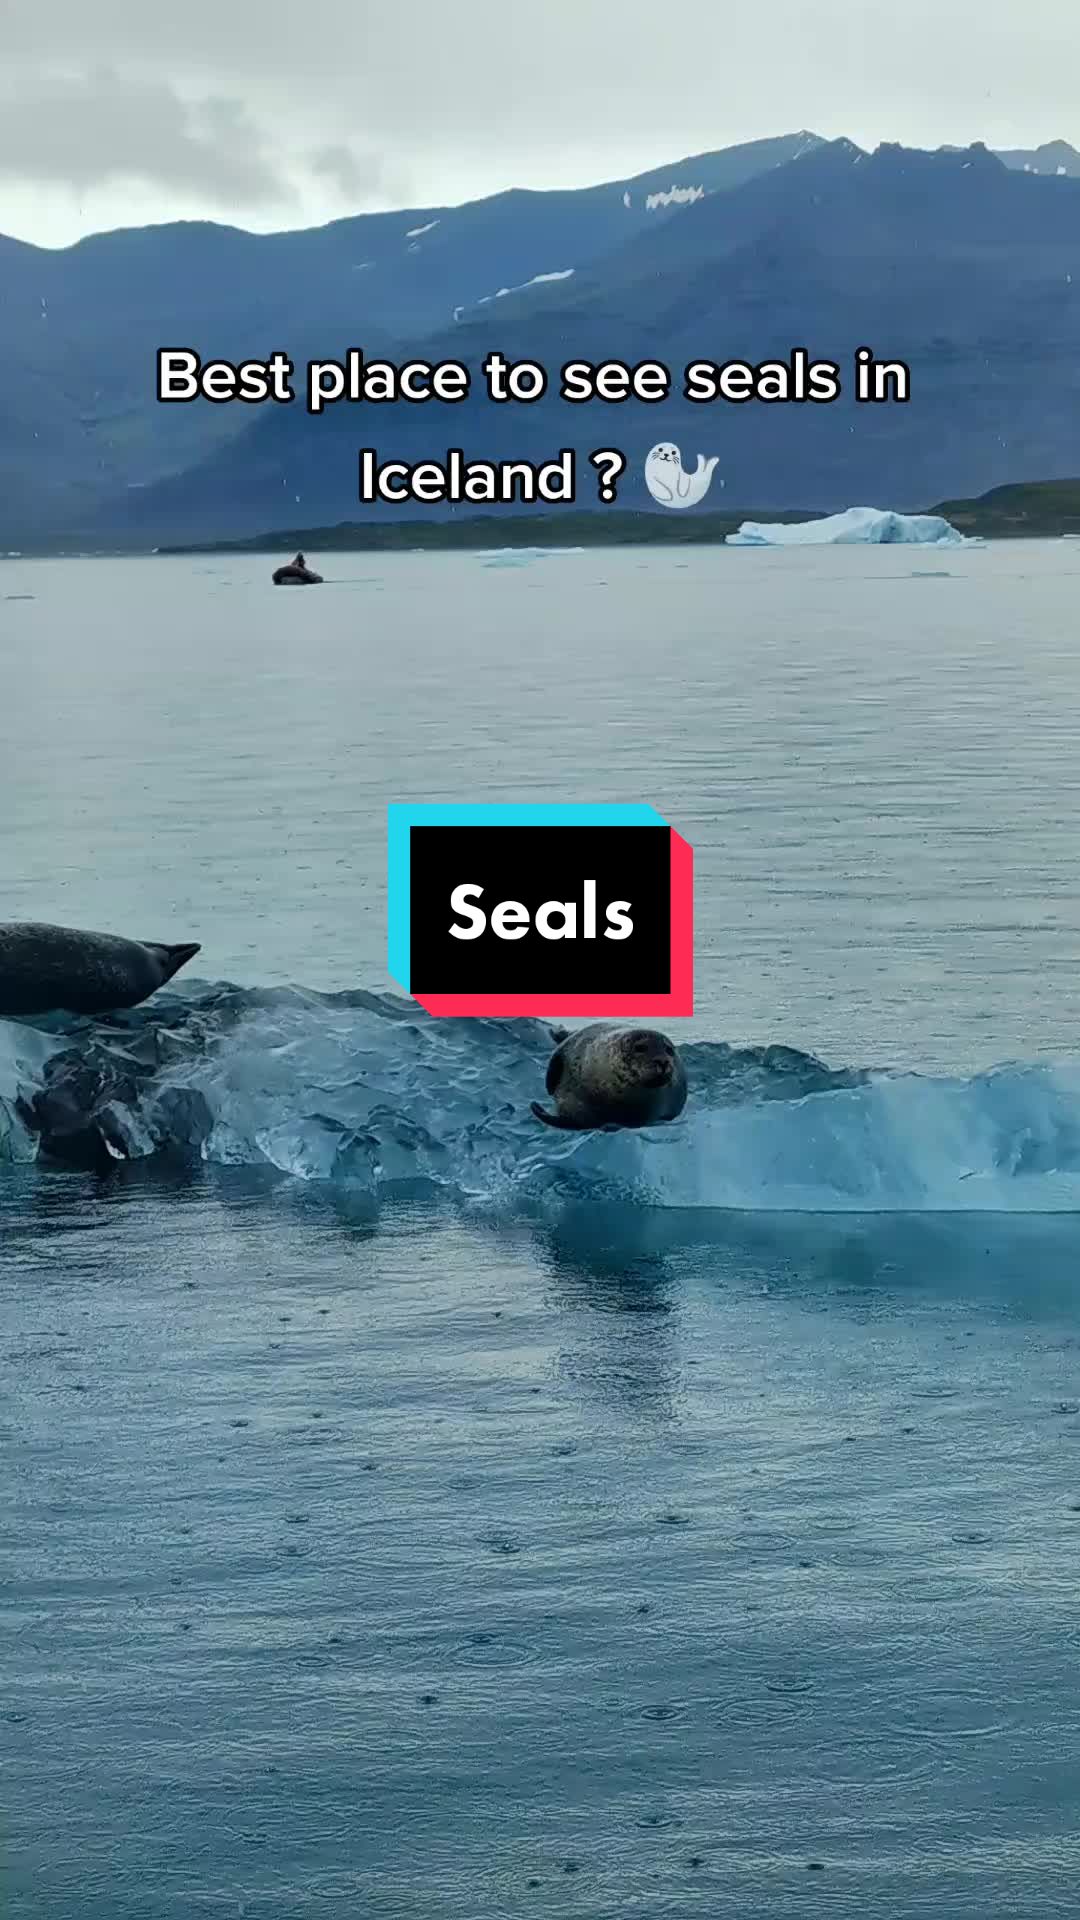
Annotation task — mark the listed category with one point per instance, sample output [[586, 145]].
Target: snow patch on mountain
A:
[[673, 196], [537, 280]]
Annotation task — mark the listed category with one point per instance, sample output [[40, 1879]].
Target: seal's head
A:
[[604, 1077], [648, 1057]]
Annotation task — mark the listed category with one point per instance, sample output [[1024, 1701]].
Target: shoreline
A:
[[273, 549], [1039, 510]]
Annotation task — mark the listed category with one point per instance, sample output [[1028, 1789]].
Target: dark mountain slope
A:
[[1055, 157], [80, 327], [967, 271]]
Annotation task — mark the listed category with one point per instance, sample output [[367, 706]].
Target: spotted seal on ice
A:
[[46, 969], [607, 1076]]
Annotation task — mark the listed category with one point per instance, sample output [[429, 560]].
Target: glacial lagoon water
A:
[[404, 1514]]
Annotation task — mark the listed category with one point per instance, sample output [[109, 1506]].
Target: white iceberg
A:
[[856, 527], [520, 556]]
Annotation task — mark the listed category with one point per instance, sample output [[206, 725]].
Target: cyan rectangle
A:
[[402, 816]]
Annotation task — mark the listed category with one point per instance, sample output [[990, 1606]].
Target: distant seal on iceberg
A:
[[297, 573], [614, 1077], [666, 480], [45, 969]]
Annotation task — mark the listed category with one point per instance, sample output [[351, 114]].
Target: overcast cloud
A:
[[270, 113]]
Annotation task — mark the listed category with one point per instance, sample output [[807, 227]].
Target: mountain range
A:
[[963, 264]]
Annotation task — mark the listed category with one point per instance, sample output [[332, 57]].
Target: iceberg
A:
[[857, 526], [520, 556], [363, 1090]]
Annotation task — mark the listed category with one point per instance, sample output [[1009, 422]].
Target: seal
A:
[[611, 1077], [46, 969], [297, 573]]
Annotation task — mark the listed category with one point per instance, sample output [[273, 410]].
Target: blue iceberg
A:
[[856, 527]]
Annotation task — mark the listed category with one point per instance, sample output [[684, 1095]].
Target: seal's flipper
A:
[[559, 1034], [175, 957], [551, 1119], [555, 1070]]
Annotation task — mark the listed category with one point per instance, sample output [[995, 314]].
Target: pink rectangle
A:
[[678, 1003]]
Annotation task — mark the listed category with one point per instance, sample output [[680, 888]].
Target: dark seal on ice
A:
[[46, 969], [614, 1077], [297, 573]]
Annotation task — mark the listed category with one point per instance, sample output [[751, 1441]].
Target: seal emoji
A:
[[669, 483], [46, 969], [613, 1077]]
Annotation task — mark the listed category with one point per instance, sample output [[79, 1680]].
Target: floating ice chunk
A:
[[521, 556], [24, 1055], [364, 1091], [858, 526], [414, 233]]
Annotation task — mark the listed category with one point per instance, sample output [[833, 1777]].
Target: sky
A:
[[287, 113]]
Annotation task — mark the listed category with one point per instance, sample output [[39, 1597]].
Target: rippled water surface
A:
[[403, 1514]]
